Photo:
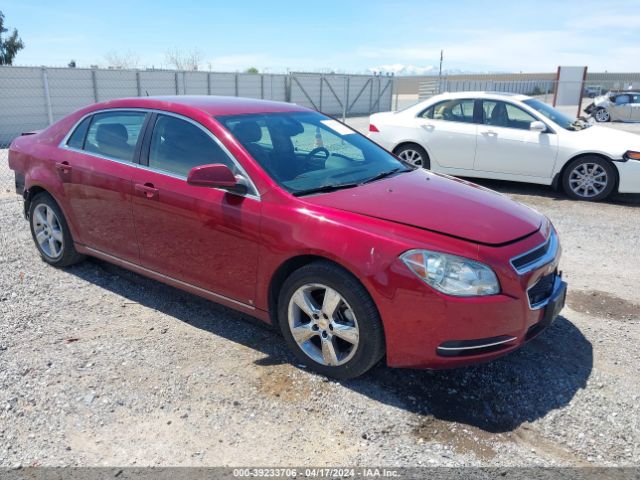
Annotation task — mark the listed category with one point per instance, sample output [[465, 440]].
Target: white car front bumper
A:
[[629, 176]]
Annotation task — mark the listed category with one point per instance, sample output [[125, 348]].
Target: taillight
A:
[[373, 128]]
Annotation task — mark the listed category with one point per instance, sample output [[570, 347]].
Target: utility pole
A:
[[440, 72]]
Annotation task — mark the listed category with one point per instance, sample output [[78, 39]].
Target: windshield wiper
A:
[[324, 189], [383, 175]]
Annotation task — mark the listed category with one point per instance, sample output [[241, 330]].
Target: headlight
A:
[[451, 274]]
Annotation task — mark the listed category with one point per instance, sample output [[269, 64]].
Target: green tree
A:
[[10, 45], [251, 70]]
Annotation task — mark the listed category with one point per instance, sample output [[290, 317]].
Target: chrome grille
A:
[[540, 255]]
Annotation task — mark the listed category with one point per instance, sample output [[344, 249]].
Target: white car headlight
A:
[[451, 274]]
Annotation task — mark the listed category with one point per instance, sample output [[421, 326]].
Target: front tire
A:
[[329, 321], [601, 115], [589, 178], [413, 154], [51, 233]]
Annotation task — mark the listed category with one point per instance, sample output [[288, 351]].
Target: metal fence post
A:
[[345, 98], [177, 85], [321, 82], [209, 83], [47, 95], [138, 83], [262, 86], [94, 83], [235, 79], [184, 82]]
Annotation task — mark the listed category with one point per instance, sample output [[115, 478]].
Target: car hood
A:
[[610, 141], [601, 101], [440, 204]]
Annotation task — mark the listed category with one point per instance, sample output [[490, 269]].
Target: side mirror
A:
[[216, 175], [538, 126]]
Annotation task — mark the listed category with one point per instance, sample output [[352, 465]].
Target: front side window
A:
[[636, 98], [507, 115], [458, 110], [305, 152], [623, 99], [114, 134], [178, 145]]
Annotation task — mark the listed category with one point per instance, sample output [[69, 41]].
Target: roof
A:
[[485, 94], [210, 104]]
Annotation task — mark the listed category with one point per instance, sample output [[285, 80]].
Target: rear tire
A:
[[413, 154], [329, 321], [589, 178], [51, 233]]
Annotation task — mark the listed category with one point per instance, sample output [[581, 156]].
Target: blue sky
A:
[[346, 35]]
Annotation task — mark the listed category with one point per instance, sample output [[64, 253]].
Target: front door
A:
[[635, 108], [203, 236], [620, 109], [507, 146]]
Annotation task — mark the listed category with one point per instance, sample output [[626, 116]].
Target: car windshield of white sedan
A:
[[556, 116], [307, 152]]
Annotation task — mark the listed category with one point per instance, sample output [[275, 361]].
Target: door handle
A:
[[428, 126], [490, 133], [148, 190], [64, 167]]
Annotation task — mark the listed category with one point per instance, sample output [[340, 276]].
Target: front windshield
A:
[[556, 116], [307, 152]]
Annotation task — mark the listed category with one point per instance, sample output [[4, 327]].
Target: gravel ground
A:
[[99, 366]]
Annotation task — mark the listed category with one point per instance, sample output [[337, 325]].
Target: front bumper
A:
[[426, 329], [629, 176], [590, 108]]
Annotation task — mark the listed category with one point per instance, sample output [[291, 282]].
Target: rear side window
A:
[[76, 140], [115, 134], [177, 146], [458, 110]]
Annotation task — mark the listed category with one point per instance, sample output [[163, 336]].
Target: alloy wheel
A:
[[588, 180], [323, 324], [602, 115], [48, 231], [413, 157]]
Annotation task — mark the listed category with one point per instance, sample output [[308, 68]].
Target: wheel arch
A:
[[410, 142], [557, 181], [286, 268]]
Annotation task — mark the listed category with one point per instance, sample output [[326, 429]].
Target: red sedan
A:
[[292, 217]]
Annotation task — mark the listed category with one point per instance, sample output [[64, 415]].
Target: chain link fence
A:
[[31, 98]]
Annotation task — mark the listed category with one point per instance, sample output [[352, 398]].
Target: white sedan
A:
[[511, 137]]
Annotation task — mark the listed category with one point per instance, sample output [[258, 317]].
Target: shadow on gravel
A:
[[495, 397], [519, 188]]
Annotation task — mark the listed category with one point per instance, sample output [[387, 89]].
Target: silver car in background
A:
[[616, 106]]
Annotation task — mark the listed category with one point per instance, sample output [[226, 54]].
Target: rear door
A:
[[206, 237], [448, 132], [96, 166], [506, 145]]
